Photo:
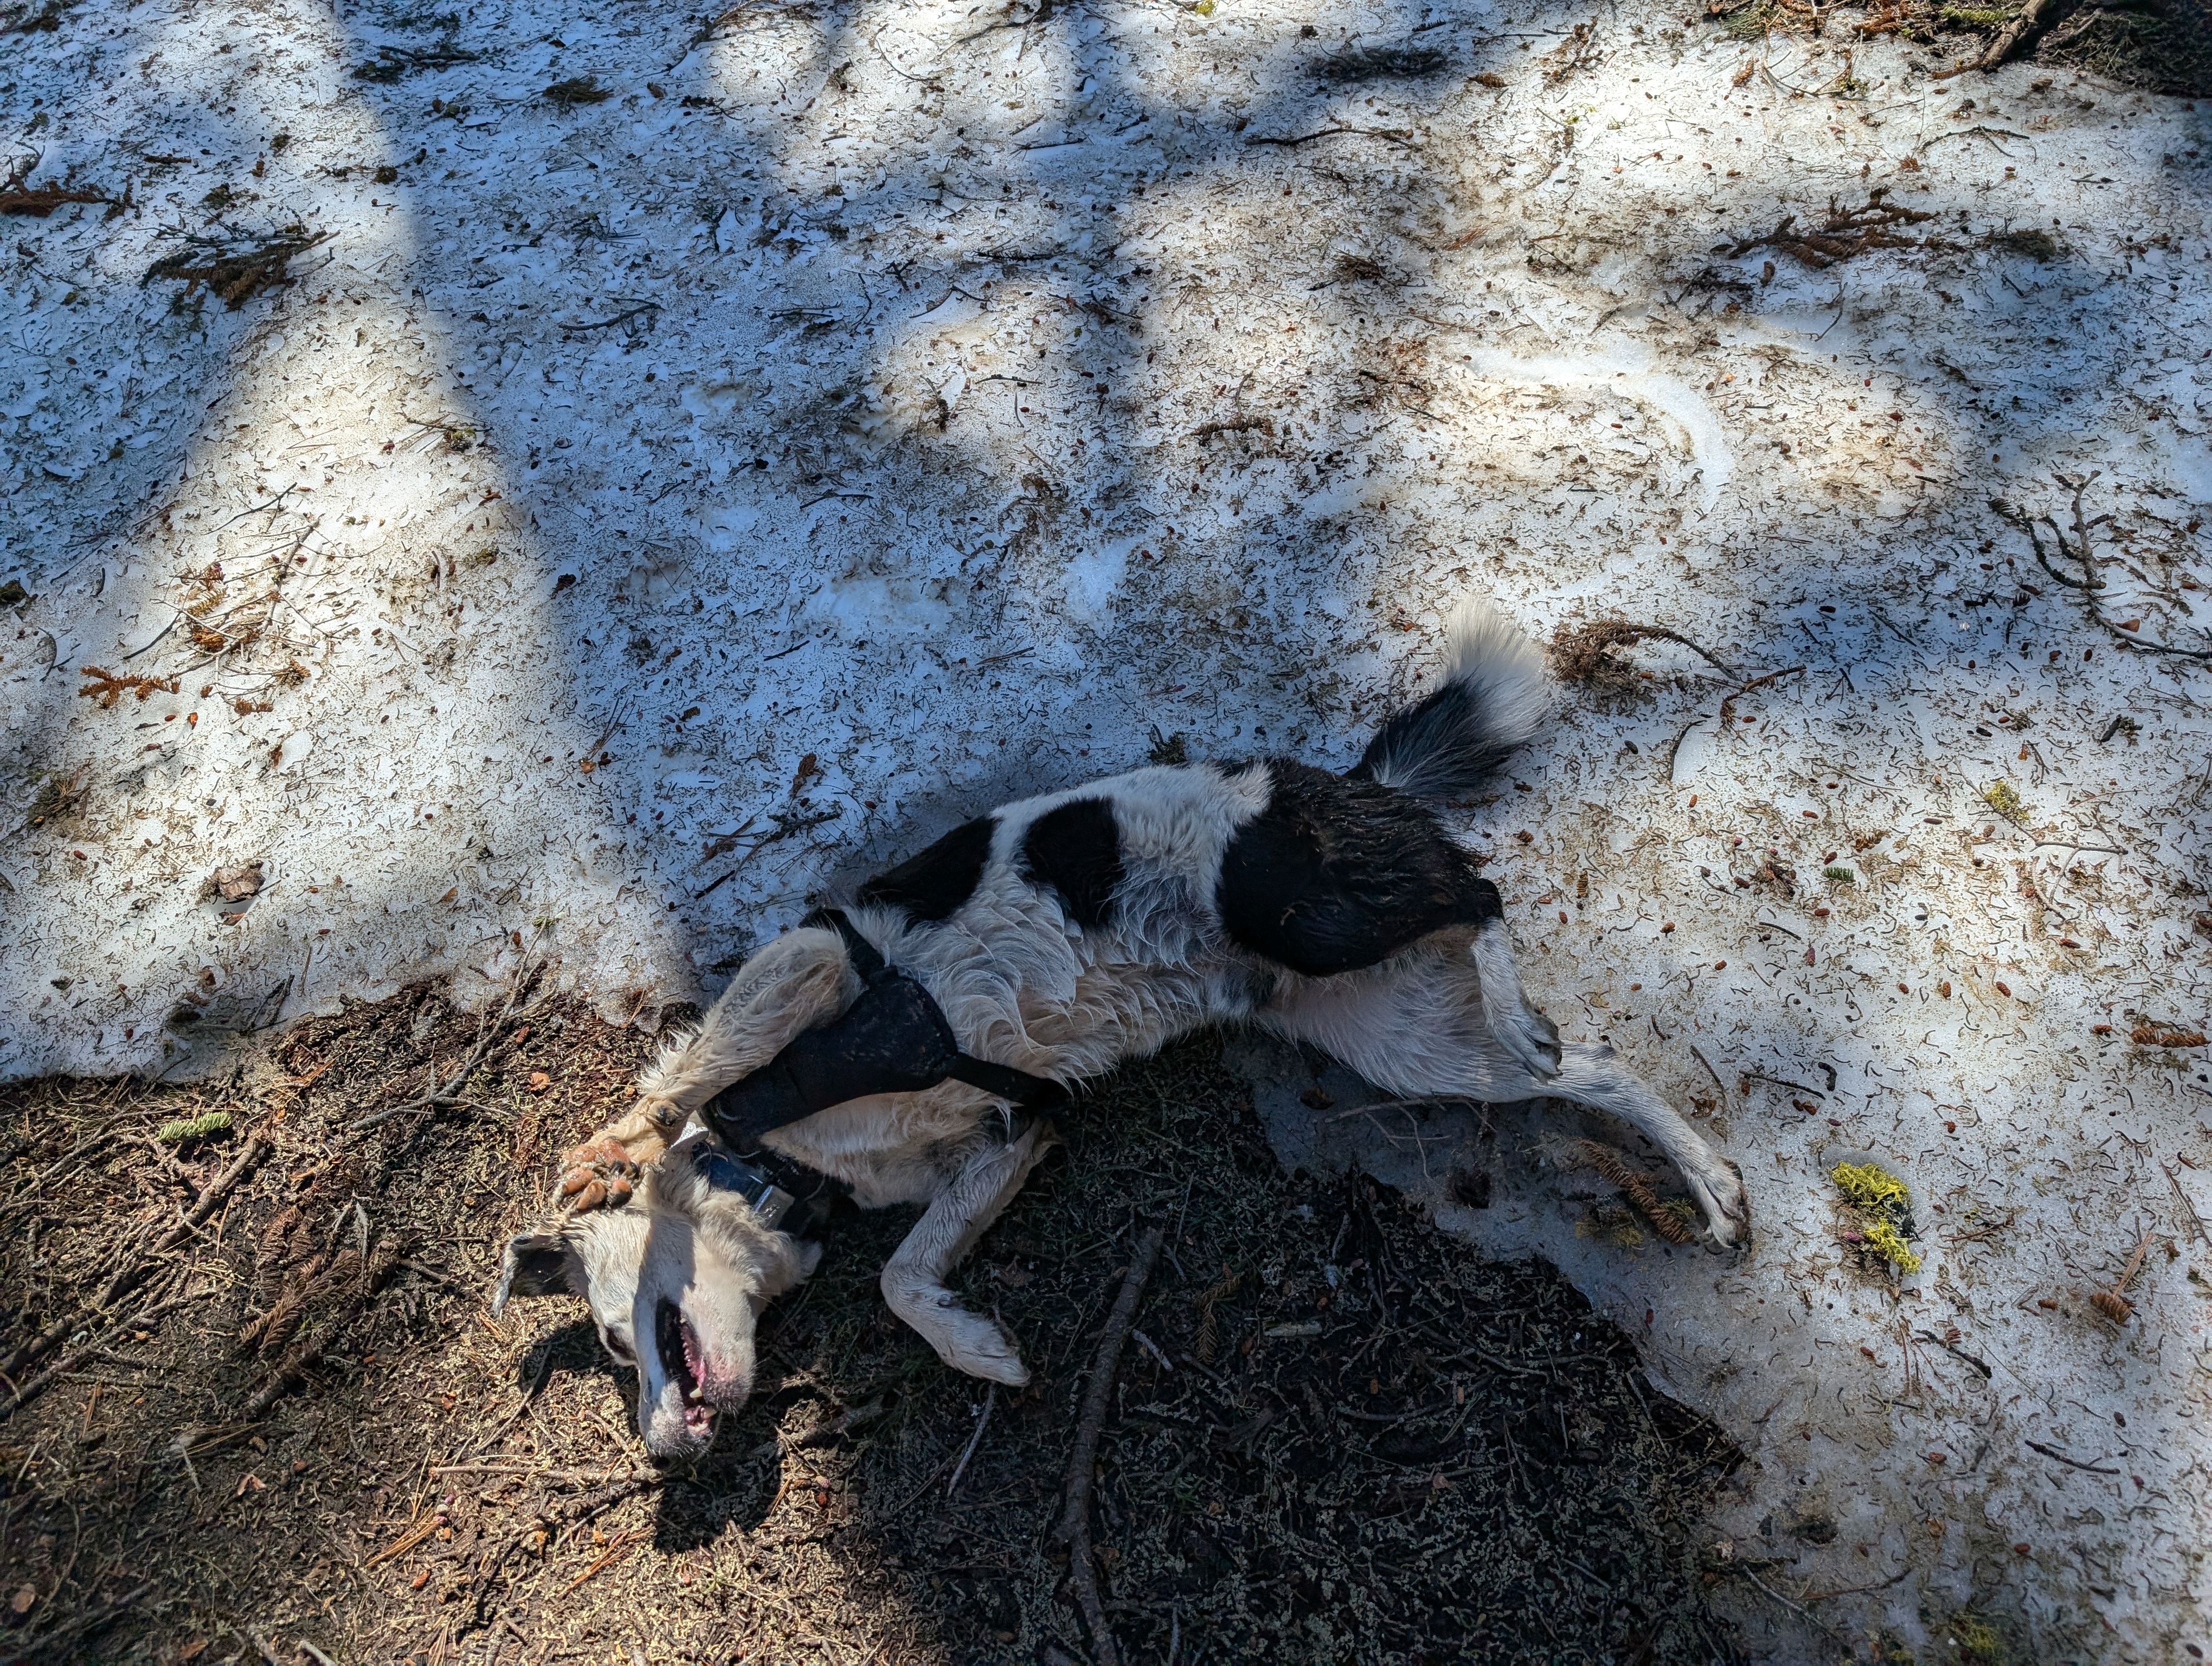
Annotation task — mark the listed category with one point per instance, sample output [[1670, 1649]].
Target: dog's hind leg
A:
[[802, 979], [1592, 1075], [914, 1279], [1530, 1039], [1415, 1028]]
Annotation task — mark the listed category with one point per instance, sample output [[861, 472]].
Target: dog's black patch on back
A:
[[1077, 850], [932, 885], [1335, 874]]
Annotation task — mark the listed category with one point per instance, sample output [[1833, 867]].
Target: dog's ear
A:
[[539, 1264]]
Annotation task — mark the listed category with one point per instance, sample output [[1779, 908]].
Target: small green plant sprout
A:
[[186, 1129], [1884, 1208], [2000, 797], [1842, 876]]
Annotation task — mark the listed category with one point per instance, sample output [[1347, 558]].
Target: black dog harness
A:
[[893, 1039]]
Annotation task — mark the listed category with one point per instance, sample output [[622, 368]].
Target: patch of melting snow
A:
[[1094, 577]]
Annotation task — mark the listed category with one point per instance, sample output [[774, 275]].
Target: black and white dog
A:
[[1059, 936]]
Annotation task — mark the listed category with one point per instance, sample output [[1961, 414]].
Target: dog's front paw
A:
[[601, 1172], [976, 1346]]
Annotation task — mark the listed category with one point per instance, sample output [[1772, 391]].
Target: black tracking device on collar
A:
[[893, 1039], [785, 1194]]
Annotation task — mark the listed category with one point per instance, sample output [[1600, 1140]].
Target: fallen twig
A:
[[1846, 232], [623, 1541], [639, 311], [1394, 135], [2084, 551], [93, 1349], [33, 1192], [2087, 1468], [1955, 1351], [1699, 1056], [1728, 705], [2023, 23], [982, 1422], [584, 1509], [217, 1189], [1579, 654], [1074, 1528], [2195, 1219], [86, 1623]]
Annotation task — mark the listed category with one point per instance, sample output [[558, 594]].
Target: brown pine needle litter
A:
[[237, 271], [1446, 1446], [1585, 653], [1635, 1185]]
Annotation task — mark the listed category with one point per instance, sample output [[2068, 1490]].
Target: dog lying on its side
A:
[[1060, 935]]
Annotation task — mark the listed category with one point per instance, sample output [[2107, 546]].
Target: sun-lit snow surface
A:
[[867, 414]]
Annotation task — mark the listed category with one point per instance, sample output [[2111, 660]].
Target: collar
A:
[[785, 1194], [724, 1170]]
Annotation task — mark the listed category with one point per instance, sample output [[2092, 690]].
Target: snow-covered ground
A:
[[643, 510]]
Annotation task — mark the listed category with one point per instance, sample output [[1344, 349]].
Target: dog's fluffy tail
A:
[[1493, 699]]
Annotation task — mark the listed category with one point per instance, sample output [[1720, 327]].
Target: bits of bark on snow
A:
[[107, 687], [236, 270], [237, 882]]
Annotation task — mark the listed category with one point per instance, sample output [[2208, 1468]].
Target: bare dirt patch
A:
[[1336, 1434]]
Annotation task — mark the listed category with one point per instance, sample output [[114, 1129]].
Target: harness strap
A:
[[893, 1039], [1002, 1081]]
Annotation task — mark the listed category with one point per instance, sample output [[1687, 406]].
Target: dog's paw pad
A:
[[599, 1175]]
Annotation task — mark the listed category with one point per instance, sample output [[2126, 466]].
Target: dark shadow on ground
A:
[[1343, 1437]]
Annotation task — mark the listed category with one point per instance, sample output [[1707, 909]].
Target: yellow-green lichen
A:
[[1978, 1642], [1886, 1241], [2000, 797], [1870, 1186], [1884, 1208]]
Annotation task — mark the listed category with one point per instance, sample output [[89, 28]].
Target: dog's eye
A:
[[619, 1348]]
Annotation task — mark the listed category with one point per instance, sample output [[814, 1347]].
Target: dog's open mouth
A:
[[680, 1358]]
